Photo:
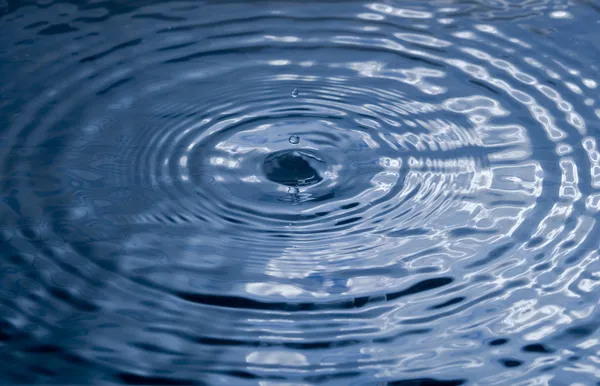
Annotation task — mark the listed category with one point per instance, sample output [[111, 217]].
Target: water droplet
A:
[[294, 139], [295, 93], [293, 190]]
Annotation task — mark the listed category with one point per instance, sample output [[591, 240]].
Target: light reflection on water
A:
[[289, 193]]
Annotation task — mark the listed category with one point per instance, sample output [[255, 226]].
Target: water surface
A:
[[300, 193]]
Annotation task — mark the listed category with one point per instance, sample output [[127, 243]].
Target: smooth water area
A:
[[287, 193]]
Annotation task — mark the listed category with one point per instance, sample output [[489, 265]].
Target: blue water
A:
[[287, 193]]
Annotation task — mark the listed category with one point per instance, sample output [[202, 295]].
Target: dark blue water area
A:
[[293, 193]]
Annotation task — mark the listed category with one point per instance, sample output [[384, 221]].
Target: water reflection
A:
[[299, 193]]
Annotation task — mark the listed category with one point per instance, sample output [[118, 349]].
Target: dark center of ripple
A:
[[293, 168]]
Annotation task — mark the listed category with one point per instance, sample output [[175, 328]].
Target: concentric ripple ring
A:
[[299, 193]]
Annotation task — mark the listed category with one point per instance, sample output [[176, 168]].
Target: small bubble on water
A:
[[294, 139], [295, 93]]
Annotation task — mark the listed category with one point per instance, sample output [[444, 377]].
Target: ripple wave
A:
[[299, 193]]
